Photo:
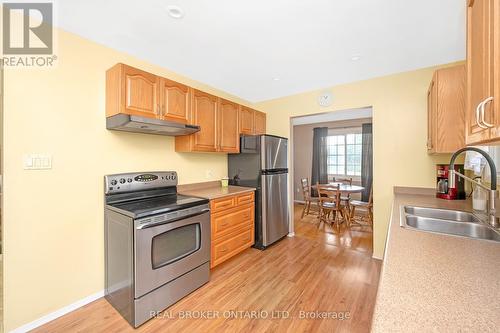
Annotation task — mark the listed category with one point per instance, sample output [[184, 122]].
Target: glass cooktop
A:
[[156, 205]]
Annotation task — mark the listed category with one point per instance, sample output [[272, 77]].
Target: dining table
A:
[[345, 189]]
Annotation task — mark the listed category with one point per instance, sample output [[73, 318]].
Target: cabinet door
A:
[[260, 122], [139, 92], [174, 101], [431, 115], [247, 118], [494, 105], [479, 68], [204, 112], [449, 114], [229, 137]]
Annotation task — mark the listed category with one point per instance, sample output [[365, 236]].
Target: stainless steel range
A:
[[157, 243]]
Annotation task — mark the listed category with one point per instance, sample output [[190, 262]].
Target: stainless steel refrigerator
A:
[[263, 163]]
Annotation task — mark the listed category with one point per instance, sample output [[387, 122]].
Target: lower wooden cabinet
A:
[[233, 230]]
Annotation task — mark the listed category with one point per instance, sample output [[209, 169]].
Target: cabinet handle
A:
[[223, 249], [478, 116], [483, 104]]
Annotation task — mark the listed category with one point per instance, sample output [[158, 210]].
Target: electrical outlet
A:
[[37, 162], [209, 174]]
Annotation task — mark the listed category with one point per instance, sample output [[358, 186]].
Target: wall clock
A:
[[325, 99]]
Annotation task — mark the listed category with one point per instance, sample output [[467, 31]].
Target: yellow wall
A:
[[399, 133], [53, 242]]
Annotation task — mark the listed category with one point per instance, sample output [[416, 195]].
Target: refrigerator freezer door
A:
[[273, 152], [274, 207]]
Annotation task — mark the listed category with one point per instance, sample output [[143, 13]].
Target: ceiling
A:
[[262, 49]]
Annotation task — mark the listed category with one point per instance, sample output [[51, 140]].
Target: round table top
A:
[[346, 188]]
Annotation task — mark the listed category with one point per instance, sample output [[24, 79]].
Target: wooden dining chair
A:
[[366, 208], [308, 199], [330, 208], [347, 181], [345, 198]]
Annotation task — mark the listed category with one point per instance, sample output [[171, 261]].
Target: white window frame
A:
[[344, 131]]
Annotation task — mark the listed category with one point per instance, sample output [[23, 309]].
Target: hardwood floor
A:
[[314, 271]]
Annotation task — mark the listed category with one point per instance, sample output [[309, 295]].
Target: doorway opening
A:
[[332, 177]]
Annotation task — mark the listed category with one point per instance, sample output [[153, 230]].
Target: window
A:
[[344, 154]]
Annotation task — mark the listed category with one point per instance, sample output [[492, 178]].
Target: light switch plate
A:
[[37, 162]]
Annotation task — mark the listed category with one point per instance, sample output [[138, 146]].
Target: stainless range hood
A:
[[137, 124]]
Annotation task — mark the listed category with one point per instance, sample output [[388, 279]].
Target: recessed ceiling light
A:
[[276, 78], [175, 12], [355, 57]]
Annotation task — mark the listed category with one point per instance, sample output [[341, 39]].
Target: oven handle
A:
[[154, 224]]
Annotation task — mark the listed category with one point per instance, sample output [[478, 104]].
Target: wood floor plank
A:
[[317, 270]]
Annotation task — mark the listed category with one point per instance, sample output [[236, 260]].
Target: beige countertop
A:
[[433, 282], [211, 190]]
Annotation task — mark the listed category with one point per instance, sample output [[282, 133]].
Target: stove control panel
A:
[[137, 181]]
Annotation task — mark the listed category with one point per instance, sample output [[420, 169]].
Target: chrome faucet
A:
[[492, 219]]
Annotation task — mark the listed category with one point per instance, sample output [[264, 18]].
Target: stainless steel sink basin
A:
[[449, 222], [444, 214]]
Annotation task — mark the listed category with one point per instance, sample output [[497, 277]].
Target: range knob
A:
[[129, 180], [114, 182], [122, 180]]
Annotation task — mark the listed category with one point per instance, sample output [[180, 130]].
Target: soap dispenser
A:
[[479, 198]]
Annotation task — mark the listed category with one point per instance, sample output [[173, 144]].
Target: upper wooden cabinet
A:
[[132, 91], [175, 101], [252, 122], [136, 92], [446, 110], [229, 137], [260, 122], [218, 119], [247, 120], [203, 114], [483, 72]]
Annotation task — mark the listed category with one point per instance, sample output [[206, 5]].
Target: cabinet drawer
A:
[[220, 204], [224, 250], [225, 222], [245, 198]]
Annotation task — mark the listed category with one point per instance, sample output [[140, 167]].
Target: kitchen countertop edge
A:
[[212, 190]]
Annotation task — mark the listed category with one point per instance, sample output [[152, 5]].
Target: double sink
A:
[[449, 222]]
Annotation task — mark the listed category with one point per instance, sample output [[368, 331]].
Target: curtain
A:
[[320, 156], [367, 161]]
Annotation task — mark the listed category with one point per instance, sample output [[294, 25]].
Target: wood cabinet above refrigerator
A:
[[252, 122]]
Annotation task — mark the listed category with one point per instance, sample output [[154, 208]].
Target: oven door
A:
[[167, 247]]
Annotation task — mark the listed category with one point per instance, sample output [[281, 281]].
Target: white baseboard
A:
[[58, 313], [377, 257], [291, 234]]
